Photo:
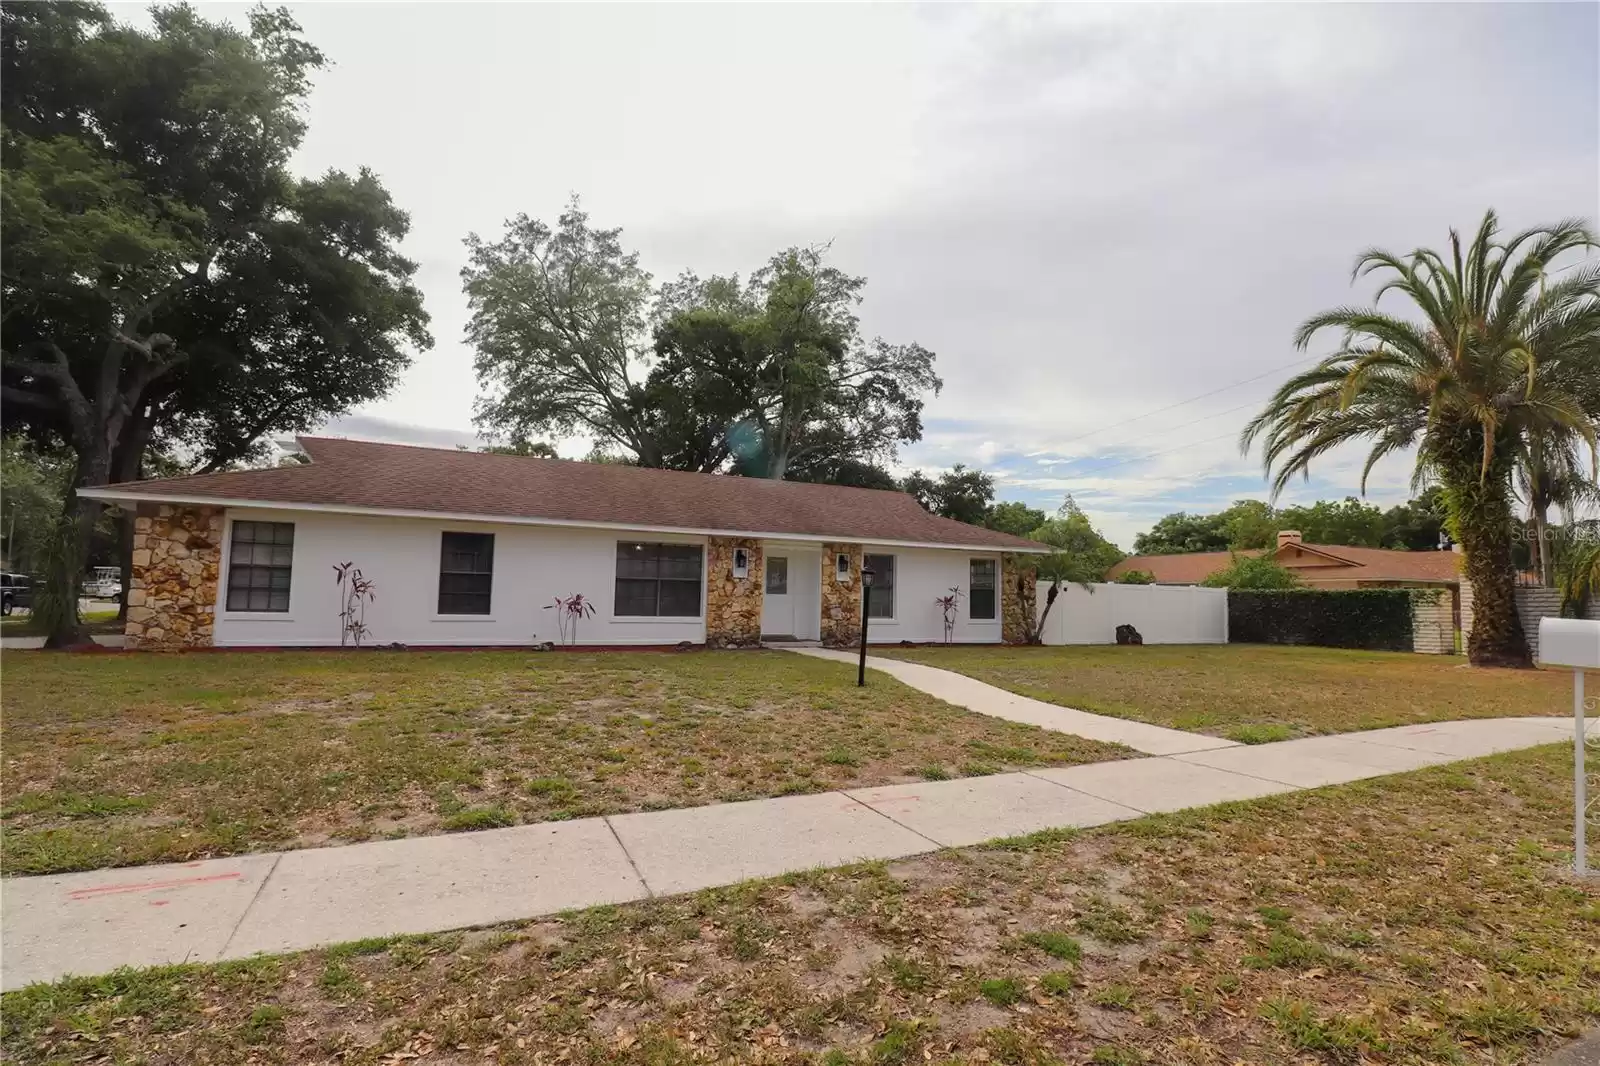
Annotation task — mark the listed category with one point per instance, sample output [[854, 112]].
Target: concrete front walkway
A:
[[983, 698], [91, 923]]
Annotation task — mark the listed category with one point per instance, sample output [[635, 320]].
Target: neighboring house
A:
[[1317, 565], [1330, 566], [468, 548]]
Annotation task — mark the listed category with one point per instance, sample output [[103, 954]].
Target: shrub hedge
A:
[[1375, 619]]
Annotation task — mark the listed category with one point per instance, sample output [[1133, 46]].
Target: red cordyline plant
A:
[[948, 605], [355, 592], [569, 612]]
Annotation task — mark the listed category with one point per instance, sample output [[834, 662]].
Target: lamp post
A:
[[866, 599]]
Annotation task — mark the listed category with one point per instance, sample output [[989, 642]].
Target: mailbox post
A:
[[1574, 642]]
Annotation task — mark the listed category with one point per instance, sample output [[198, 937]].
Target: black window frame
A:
[[768, 590], [259, 578], [877, 590], [973, 589], [466, 574], [638, 565]]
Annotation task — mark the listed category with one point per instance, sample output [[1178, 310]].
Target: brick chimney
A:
[[1288, 536]]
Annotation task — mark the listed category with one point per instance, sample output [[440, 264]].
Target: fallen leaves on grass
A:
[[1422, 918], [121, 760]]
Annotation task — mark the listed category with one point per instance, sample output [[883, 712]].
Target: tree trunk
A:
[[68, 560], [128, 465], [1481, 508], [124, 562], [1543, 559], [1035, 628]]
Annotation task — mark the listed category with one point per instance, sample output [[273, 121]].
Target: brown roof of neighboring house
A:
[[1363, 564], [362, 476]]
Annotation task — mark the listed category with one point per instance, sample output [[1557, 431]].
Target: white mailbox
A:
[[1576, 643], [1569, 642]]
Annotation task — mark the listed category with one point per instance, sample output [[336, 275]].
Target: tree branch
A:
[[13, 394]]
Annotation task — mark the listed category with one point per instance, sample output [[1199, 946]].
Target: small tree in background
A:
[[1080, 556], [1253, 572], [958, 493], [1015, 518], [1136, 577], [1577, 569]]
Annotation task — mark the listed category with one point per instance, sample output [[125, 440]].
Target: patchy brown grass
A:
[[1257, 692], [1422, 918], [114, 760]]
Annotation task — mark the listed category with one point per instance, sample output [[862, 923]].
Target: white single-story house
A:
[[470, 549]]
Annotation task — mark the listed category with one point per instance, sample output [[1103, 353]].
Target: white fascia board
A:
[[110, 494]]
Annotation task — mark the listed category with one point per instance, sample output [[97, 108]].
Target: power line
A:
[[1192, 399], [1151, 455], [1180, 425]]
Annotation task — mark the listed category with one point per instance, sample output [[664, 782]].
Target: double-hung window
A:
[[466, 572], [880, 594], [657, 580], [260, 561], [981, 590]]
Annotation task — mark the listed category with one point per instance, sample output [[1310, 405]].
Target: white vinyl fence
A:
[[1163, 614]]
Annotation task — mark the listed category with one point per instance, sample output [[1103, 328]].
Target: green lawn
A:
[[115, 760], [1415, 919], [1256, 692]]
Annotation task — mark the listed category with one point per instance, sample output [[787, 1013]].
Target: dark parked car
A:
[[16, 590]]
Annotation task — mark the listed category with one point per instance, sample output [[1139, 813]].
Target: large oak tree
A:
[[166, 278], [767, 377]]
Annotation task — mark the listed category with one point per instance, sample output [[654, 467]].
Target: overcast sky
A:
[[1088, 212]]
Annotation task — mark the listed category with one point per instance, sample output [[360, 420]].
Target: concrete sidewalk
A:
[[91, 923], [105, 640], [983, 698]]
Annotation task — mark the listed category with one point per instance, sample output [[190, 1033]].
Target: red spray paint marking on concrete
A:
[[149, 886]]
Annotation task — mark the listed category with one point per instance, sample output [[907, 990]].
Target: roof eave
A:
[[112, 494]]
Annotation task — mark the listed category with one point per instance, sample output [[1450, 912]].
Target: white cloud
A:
[[1089, 211]]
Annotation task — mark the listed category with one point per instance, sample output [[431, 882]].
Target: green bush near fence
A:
[[1375, 619]]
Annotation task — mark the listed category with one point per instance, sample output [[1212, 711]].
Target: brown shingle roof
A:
[[365, 476], [1365, 564]]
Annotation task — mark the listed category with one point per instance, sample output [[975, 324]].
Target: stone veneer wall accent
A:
[[841, 601], [177, 561], [733, 604], [1433, 629], [1018, 600]]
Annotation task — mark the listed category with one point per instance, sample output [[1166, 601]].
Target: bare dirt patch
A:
[[249, 751], [1320, 929]]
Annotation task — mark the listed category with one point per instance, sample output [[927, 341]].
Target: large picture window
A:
[[880, 596], [260, 561], [657, 580], [466, 572], [981, 590]]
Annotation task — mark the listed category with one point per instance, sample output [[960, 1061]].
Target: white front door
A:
[[777, 606]]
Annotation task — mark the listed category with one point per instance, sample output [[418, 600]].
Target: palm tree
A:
[[1498, 352], [1551, 473]]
